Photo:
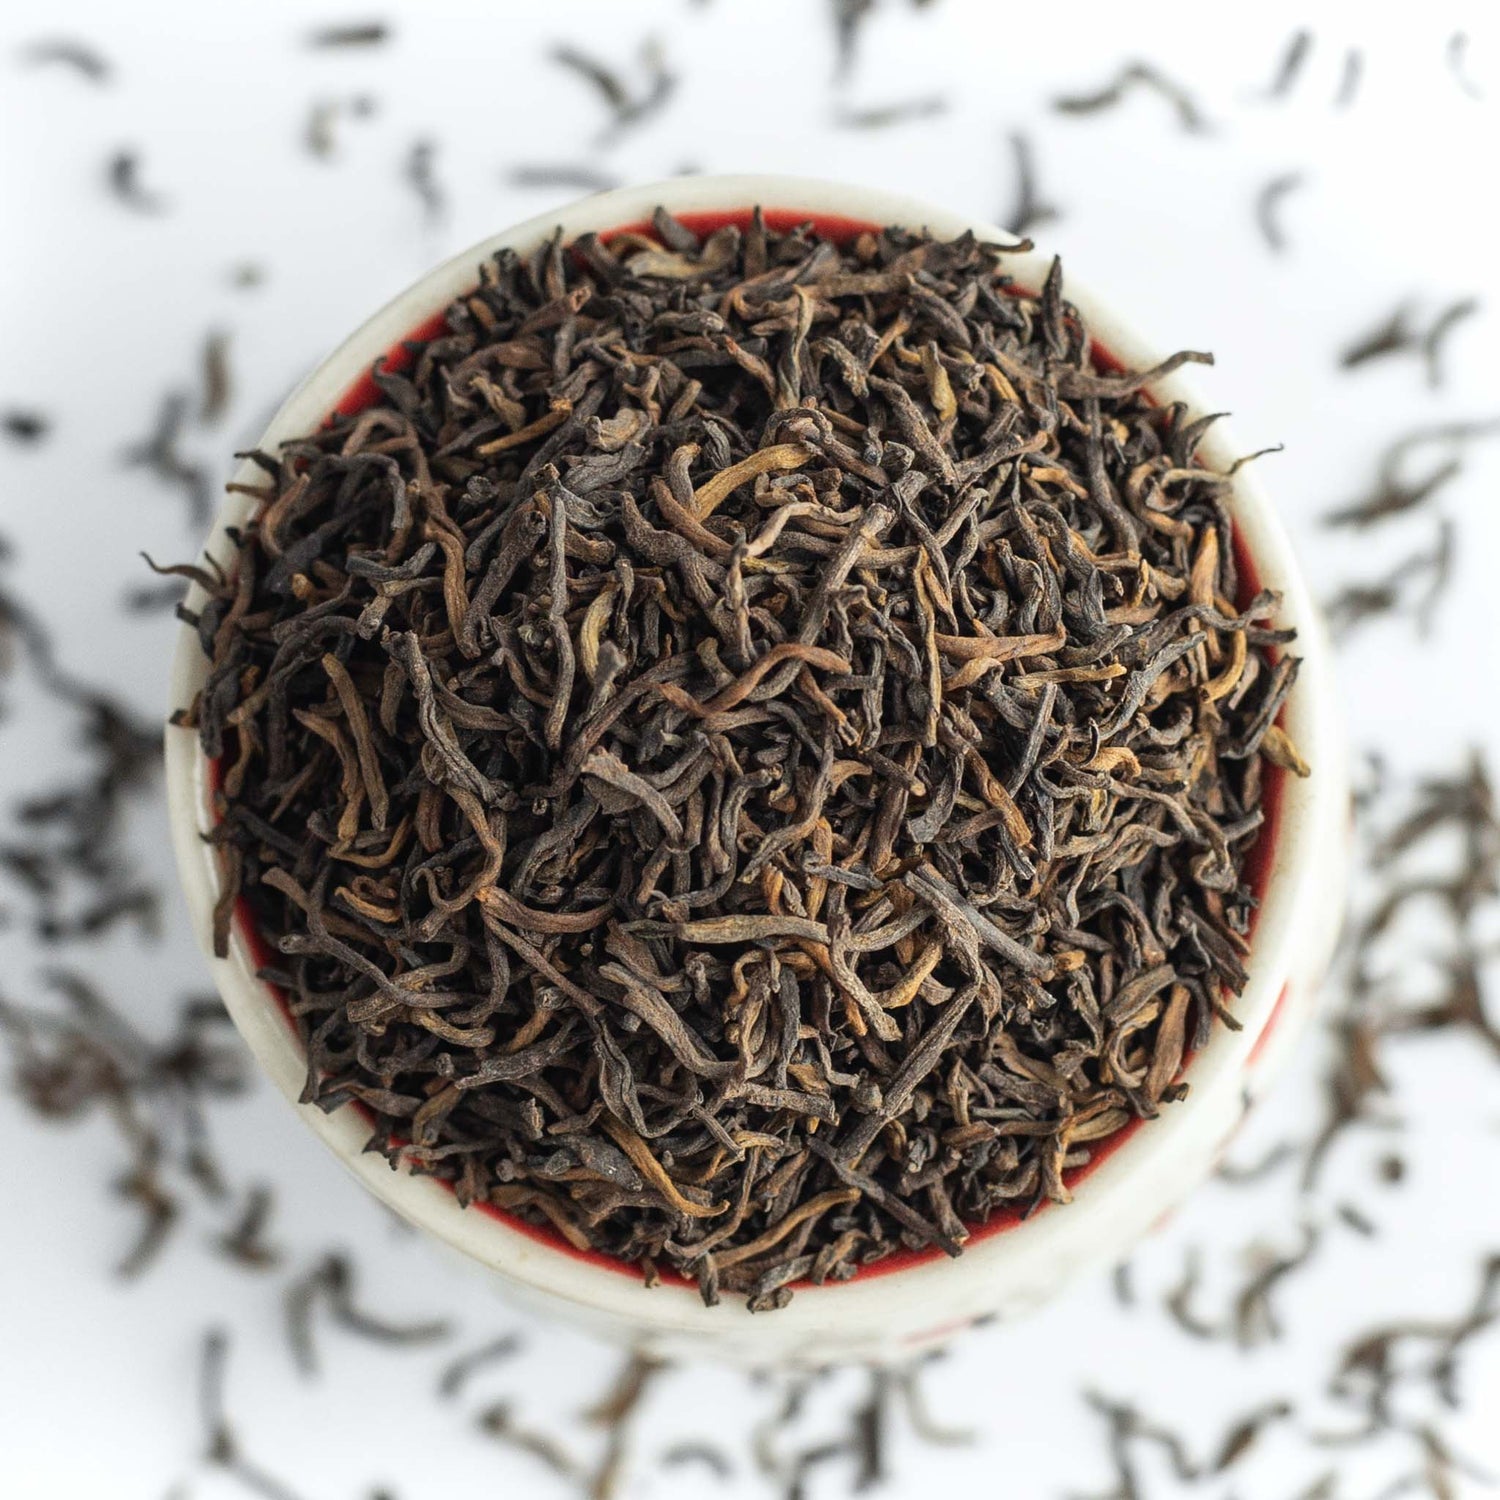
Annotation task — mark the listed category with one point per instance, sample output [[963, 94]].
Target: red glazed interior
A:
[[364, 393]]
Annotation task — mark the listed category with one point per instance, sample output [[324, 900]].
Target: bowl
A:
[[908, 1303]]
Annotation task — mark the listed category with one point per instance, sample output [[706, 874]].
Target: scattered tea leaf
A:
[[1138, 77], [1029, 209], [82, 57], [1289, 65], [578, 177], [882, 116], [1268, 207], [22, 426], [421, 174], [124, 175], [628, 106], [350, 34], [217, 383], [1349, 78]]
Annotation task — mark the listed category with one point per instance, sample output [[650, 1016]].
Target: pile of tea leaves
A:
[[748, 750]]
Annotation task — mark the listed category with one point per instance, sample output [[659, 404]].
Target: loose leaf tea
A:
[[1030, 209], [627, 106], [222, 1446], [1268, 208], [849, 17], [1394, 334], [881, 116], [245, 1241], [160, 453], [66, 1065], [1289, 65], [1128, 1430], [919, 1412], [499, 1422], [85, 60], [124, 178], [1369, 1372], [146, 598], [351, 34], [1242, 1435], [701, 1453], [457, 1374], [218, 383], [579, 176], [53, 859], [1436, 337], [1349, 79], [1179, 1301], [1398, 334], [320, 133], [1392, 493], [330, 1283], [24, 426], [1416, 585], [421, 174], [748, 751], [616, 1413], [1133, 78], [1254, 1316]]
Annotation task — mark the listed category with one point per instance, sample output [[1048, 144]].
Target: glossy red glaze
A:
[[364, 393], [833, 227]]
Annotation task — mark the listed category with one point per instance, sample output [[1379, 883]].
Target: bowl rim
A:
[[1310, 814]]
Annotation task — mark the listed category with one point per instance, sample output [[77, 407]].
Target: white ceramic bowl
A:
[[878, 1316]]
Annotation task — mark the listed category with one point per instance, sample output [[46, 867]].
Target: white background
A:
[[103, 310]]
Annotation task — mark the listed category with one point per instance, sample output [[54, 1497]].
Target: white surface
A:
[[103, 310]]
